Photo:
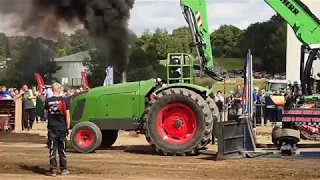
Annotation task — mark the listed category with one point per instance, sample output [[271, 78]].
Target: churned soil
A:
[[25, 156]]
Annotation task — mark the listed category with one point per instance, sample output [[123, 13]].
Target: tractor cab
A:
[[179, 68]]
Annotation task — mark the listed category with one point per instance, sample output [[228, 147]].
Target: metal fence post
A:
[[18, 115], [225, 113], [255, 116], [262, 114]]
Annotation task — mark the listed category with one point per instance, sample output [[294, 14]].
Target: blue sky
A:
[[150, 14]]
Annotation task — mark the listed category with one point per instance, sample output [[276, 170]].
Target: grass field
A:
[[230, 63], [228, 86], [227, 63]]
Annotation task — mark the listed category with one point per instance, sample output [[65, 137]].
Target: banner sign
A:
[[301, 115]]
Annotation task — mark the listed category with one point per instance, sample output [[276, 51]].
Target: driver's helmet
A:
[[174, 61]]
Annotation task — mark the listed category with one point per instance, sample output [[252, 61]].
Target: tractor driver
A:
[[175, 70], [58, 125]]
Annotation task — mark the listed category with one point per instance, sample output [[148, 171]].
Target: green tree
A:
[[15, 46], [34, 58], [179, 41], [96, 67], [80, 41], [274, 53], [63, 42], [62, 53], [144, 41], [3, 47], [162, 42], [159, 42], [143, 65], [225, 41]]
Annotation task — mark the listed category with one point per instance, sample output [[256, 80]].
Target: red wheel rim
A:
[[176, 123], [84, 138]]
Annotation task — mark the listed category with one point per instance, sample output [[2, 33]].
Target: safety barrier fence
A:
[[261, 114], [11, 115]]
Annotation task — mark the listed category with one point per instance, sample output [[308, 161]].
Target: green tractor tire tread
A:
[[165, 96], [215, 114], [109, 137], [88, 126]]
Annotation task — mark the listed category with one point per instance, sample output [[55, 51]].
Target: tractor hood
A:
[[118, 101], [143, 86], [199, 89]]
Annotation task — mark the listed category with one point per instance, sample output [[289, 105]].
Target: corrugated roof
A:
[[78, 57]]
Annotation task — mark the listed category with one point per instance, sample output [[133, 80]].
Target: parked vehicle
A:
[[232, 75], [277, 76], [236, 71], [265, 75]]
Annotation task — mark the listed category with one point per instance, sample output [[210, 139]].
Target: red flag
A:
[[39, 81], [84, 80]]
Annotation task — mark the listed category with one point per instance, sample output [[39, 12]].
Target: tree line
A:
[[267, 41]]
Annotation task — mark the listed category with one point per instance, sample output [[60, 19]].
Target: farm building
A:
[[71, 67]]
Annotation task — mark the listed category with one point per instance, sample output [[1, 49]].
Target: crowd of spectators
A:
[[233, 102], [33, 101]]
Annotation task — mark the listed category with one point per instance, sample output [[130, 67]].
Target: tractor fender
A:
[[198, 89]]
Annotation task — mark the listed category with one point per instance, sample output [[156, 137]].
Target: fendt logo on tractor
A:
[[291, 7]]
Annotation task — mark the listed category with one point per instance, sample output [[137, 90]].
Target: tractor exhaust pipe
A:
[[124, 77]]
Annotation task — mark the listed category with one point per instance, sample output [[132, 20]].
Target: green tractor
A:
[[177, 119]]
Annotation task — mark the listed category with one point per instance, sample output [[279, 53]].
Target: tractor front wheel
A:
[[85, 137], [178, 122], [109, 137]]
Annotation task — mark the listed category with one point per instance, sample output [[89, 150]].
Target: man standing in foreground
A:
[[58, 125]]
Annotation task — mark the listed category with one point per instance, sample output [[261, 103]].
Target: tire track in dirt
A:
[[25, 159]]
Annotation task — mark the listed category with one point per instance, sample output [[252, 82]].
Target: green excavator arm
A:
[[195, 13], [306, 27], [304, 23]]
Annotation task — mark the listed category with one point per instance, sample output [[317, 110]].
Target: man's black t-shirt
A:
[[56, 119], [237, 104]]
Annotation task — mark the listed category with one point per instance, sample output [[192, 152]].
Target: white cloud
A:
[[229, 9], [242, 24], [150, 14]]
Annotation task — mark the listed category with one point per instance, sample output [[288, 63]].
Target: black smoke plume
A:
[[105, 20]]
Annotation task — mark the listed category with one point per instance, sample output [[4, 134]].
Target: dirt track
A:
[[24, 156]]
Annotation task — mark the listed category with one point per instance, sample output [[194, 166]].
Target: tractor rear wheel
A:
[[216, 117], [178, 122], [85, 137], [109, 137]]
